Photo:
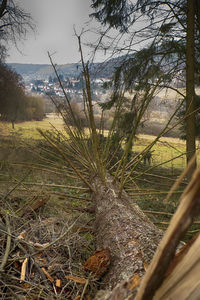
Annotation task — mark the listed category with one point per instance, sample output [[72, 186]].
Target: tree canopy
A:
[[162, 37]]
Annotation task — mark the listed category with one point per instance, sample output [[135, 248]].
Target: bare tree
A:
[[14, 24]]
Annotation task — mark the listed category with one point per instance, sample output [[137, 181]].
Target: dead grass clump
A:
[[13, 148]]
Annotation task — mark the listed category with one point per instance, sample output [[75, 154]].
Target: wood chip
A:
[[145, 266], [58, 283], [23, 270], [22, 235], [134, 282], [47, 274], [76, 279], [77, 298]]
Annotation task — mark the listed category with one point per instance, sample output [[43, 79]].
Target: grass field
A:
[[29, 129], [168, 152]]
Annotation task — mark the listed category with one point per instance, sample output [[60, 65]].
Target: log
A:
[[122, 227], [169, 276]]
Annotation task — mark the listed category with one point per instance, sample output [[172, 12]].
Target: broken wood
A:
[[182, 219], [58, 283], [76, 279], [184, 281], [47, 274], [33, 205], [23, 270], [98, 263]]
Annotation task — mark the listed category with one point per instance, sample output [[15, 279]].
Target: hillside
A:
[[37, 71], [40, 71]]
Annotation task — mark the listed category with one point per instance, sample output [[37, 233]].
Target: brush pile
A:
[[42, 253]]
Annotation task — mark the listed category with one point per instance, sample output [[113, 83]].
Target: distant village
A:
[[72, 87]]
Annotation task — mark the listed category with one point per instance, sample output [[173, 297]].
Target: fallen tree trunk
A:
[[168, 276], [122, 228], [125, 238]]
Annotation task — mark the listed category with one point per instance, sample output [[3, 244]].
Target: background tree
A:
[[11, 94], [14, 104], [14, 24]]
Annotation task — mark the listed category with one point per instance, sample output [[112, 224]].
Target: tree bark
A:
[[190, 91], [122, 228], [169, 276], [3, 7], [13, 124]]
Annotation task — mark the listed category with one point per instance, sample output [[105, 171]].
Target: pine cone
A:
[[98, 263]]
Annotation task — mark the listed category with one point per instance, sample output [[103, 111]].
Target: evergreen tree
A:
[[166, 55]]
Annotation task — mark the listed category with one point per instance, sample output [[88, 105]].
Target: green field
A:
[[29, 129], [168, 152]]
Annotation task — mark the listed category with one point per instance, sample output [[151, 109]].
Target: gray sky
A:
[[54, 20]]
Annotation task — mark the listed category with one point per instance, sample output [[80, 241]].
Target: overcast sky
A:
[[54, 21]]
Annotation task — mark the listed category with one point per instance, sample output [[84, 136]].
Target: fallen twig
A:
[[8, 244]]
